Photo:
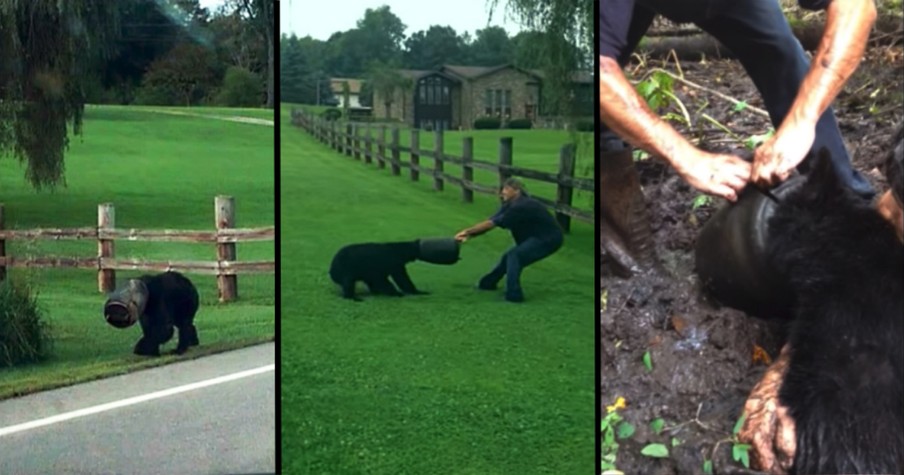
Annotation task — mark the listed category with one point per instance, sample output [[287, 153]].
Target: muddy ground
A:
[[702, 355]]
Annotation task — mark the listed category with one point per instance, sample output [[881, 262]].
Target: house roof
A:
[[354, 85], [474, 72], [416, 74]]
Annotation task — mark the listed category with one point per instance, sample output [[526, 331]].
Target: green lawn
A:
[[161, 172], [455, 382]]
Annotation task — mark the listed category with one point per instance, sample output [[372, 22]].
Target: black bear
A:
[[373, 263], [172, 301], [844, 387]]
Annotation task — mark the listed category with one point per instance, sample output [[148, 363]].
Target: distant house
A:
[[354, 91], [452, 97]]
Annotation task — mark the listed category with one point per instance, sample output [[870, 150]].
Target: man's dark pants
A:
[[515, 260], [758, 34]]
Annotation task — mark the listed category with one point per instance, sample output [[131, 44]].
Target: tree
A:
[[568, 20], [491, 47], [260, 12], [385, 81], [241, 88], [432, 48], [44, 64], [184, 76]]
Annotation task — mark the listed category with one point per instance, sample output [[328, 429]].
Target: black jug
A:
[[126, 304], [731, 256], [439, 250]]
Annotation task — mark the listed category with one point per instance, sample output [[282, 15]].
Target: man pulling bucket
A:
[[536, 233]]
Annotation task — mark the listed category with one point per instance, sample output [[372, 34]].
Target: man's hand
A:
[[462, 236], [774, 160], [718, 174], [769, 428]]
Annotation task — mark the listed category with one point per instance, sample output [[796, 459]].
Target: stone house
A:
[[453, 97], [354, 91]]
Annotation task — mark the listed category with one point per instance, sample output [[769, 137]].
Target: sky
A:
[[309, 17]]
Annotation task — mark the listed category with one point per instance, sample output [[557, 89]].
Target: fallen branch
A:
[[755, 110]]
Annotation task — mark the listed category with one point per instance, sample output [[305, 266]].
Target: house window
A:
[[498, 102]]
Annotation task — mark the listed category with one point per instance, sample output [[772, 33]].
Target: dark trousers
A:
[[758, 34], [516, 259]]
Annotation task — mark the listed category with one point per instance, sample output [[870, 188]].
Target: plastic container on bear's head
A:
[[125, 304], [443, 251], [731, 256]]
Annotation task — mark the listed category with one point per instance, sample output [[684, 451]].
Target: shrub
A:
[[24, 335], [520, 124], [331, 114], [584, 125], [487, 123], [241, 88]]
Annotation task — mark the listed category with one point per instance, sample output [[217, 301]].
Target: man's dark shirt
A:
[[526, 217], [616, 16]]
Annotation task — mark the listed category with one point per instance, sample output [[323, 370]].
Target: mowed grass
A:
[[455, 382], [161, 172]]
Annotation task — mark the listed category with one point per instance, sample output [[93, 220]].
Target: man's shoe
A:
[[485, 284], [515, 297]]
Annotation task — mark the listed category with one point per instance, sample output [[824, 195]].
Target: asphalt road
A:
[[225, 427]]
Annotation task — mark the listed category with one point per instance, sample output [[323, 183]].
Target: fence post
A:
[[415, 155], [438, 160], [106, 220], [381, 148], [334, 136], [565, 192], [356, 143], [396, 169], [368, 146], [467, 171], [227, 285], [505, 159], [2, 246], [348, 139]]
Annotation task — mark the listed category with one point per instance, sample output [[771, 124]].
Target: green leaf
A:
[[648, 361], [608, 436], [676, 441], [708, 467], [739, 424], [625, 430], [655, 450], [701, 200], [739, 452], [740, 106], [657, 425]]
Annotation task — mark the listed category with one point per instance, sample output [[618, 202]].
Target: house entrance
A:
[[433, 103]]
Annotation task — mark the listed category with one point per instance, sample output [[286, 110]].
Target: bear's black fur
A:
[[845, 382], [172, 302], [373, 263]]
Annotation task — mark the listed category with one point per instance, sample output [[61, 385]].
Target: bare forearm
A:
[[628, 115], [479, 228], [848, 23]]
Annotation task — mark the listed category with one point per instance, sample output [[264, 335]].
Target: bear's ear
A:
[[822, 174]]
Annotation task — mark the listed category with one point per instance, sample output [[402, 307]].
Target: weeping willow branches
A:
[[46, 49]]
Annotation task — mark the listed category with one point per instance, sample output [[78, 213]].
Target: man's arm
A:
[[475, 230], [848, 23], [628, 115]]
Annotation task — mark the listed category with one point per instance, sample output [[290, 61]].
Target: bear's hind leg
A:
[[188, 336], [382, 285]]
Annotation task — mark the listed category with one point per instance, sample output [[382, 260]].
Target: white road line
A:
[[133, 400]]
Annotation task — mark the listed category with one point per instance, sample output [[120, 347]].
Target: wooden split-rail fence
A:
[[368, 141], [225, 236]]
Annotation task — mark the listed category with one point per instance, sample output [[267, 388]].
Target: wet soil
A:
[[702, 353]]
